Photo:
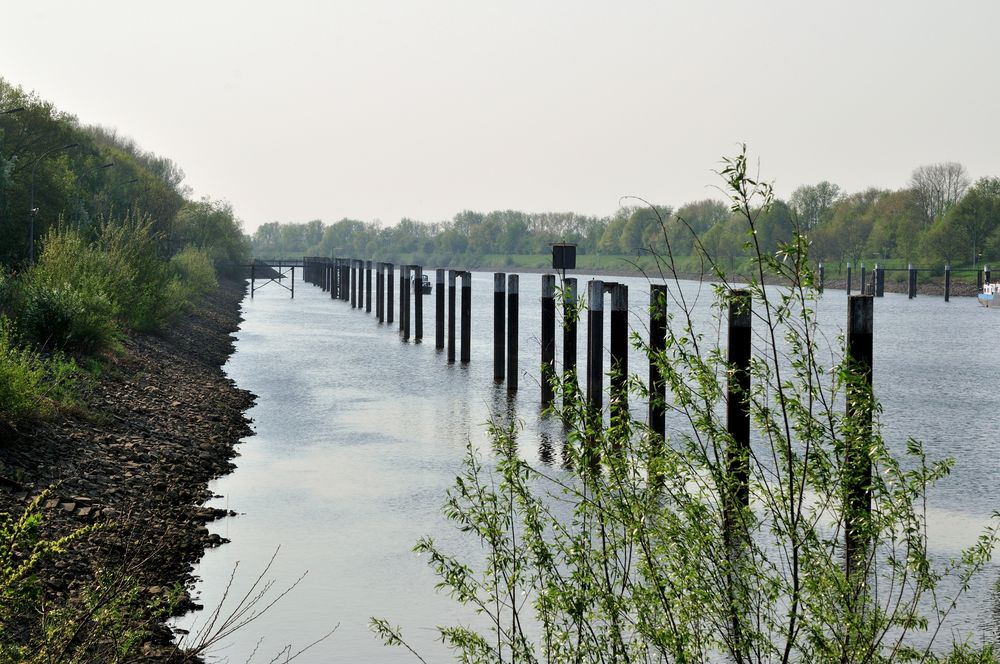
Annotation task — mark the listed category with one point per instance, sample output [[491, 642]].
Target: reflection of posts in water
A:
[[657, 344], [418, 303], [512, 307], [439, 308], [548, 337], [452, 275], [569, 338], [858, 471], [619, 350], [390, 283], [499, 325]]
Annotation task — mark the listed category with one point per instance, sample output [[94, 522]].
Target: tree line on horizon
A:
[[941, 217]]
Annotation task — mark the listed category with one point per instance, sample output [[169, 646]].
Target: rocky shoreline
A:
[[136, 454]]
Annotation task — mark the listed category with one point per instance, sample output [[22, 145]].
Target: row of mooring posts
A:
[[372, 286], [875, 285]]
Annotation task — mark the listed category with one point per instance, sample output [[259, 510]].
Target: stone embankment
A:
[[136, 454]]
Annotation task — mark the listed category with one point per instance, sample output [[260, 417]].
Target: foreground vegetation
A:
[[696, 548]]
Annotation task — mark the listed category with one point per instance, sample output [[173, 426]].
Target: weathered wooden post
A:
[[404, 299], [418, 303], [864, 284], [378, 291], [390, 280], [512, 312], [848, 278], [569, 334], [439, 308], [499, 325], [911, 277], [657, 344], [347, 279], [452, 275], [822, 277], [858, 470], [548, 337], [466, 317], [738, 399], [947, 283], [253, 264], [293, 282], [595, 344], [879, 281], [354, 283], [368, 287], [619, 350]]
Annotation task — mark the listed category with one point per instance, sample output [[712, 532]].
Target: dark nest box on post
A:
[[563, 257]]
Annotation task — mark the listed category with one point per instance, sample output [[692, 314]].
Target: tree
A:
[[971, 221], [938, 187], [813, 203]]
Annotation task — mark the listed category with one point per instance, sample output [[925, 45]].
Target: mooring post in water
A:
[[368, 287], [548, 338], [345, 282], [619, 350], [911, 282], [512, 311], [439, 308], [466, 316], [354, 283], [380, 291], [879, 281], [657, 344], [947, 282], [404, 299], [293, 282], [569, 335], [452, 275], [595, 344], [864, 284], [418, 303], [499, 325], [822, 277], [858, 470], [848, 278], [390, 280], [253, 264], [738, 399]]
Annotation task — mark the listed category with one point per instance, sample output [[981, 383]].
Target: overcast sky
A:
[[380, 109]]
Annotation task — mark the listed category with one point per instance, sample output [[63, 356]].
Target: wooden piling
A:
[[368, 287], [390, 281], [418, 303], [619, 350], [848, 278], [512, 313], [595, 344], [911, 282], [657, 344], [404, 300], [466, 317], [879, 281], [439, 308], [738, 398], [452, 275], [569, 334], [293, 282], [548, 337], [499, 325], [858, 469], [863, 288], [253, 266], [354, 283], [947, 283], [822, 277]]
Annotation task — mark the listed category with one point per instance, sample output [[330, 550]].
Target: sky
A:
[[382, 109]]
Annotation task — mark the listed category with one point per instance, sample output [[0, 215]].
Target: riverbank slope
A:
[[136, 454]]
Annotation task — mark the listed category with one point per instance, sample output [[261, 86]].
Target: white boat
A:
[[990, 290]]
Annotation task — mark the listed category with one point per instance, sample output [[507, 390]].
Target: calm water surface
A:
[[358, 436]]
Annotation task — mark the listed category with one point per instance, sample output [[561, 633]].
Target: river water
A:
[[359, 435]]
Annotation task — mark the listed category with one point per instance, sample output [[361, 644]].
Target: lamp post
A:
[[32, 210]]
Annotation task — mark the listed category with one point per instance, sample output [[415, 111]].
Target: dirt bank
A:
[[137, 454]]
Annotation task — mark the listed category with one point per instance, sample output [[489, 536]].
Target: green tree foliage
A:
[[212, 227], [813, 204]]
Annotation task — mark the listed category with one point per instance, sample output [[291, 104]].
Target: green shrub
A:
[[195, 269], [21, 379], [67, 319]]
